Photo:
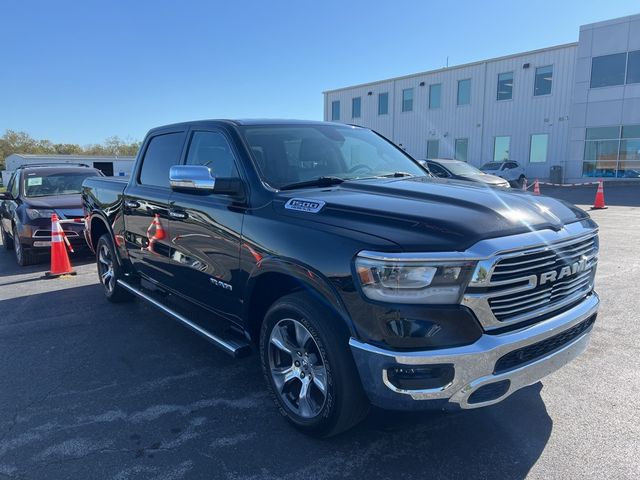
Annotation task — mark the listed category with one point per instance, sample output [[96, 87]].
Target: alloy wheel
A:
[[105, 267], [17, 247], [297, 368]]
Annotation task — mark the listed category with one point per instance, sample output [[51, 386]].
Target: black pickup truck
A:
[[359, 278]]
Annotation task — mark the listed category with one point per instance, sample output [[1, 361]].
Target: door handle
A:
[[178, 214], [131, 204]]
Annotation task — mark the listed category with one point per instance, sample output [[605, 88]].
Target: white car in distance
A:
[[511, 171]]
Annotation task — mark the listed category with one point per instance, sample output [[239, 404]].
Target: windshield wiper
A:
[[316, 182]]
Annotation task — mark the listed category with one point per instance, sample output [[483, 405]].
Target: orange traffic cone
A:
[[524, 184], [158, 234], [598, 204], [536, 188], [60, 264]]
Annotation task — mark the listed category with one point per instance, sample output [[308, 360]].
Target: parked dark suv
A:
[[33, 194]]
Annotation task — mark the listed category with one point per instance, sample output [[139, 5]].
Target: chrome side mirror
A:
[[191, 177]]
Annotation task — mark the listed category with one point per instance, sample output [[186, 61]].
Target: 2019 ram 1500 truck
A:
[[361, 279]]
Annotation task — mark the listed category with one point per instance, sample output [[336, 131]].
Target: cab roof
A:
[[248, 122]]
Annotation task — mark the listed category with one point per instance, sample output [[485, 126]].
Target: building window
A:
[[629, 159], [383, 103], [608, 70], [612, 152], [434, 95], [538, 148], [544, 79], [355, 107], [335, 110], [433, 148], [462, 147], [633, 67], [407, 99], [505, 86], [464, 92], [501, 149]]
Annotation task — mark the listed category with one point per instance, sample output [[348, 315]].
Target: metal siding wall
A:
[[445, 124], [369, 107], [481, 121], [527, 114]]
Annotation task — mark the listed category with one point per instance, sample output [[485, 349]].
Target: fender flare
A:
[[307, 276], [98, 215]]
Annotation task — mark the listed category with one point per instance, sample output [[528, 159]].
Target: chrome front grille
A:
[[517, 271], [519, 285]]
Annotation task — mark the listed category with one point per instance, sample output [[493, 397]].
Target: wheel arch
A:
[[275, 278], [98, 225]]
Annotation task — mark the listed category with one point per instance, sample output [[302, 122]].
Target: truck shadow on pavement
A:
[[96, 390]]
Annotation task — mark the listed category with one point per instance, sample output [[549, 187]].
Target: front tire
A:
[[521, 181], [24, 256], [110, 271], [308, 367], [7, 241]]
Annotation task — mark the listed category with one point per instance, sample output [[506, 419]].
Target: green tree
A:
[[21, 142]]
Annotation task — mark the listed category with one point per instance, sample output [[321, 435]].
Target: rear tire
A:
[[308, 367], [7, 241], [521, 180], [24, 256], [110, 271]]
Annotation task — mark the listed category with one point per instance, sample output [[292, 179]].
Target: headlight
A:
[[35, 213], [413, 281]]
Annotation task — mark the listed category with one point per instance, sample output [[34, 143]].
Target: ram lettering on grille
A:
[[567, 270], [528, 282]]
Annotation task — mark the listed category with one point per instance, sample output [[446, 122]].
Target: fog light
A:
[[421, 378], [489, 392]]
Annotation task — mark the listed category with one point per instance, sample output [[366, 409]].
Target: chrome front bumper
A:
[[474, 364]]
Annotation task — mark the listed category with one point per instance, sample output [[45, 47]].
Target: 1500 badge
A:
[[302, 205]]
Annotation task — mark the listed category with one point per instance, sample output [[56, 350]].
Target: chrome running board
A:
[[233, 347]]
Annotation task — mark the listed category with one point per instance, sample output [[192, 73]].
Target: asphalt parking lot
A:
[[91, 390]]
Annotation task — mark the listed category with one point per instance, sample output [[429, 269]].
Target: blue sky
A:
[[80, 71]]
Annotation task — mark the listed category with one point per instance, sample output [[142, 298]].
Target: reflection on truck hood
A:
[[424, 213], [486, 178]]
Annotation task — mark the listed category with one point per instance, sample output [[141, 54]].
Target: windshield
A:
[[288, 154], [59, 183], [491, 166], [462, 168]]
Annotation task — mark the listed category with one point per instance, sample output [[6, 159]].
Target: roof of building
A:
[[455, 67], [48, 157], [47, 169], [612, 21]]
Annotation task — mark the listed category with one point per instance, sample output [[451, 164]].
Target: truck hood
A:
[[423, 213]]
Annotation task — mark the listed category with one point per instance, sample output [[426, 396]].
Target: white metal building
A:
[[575, 105], [109, 165]]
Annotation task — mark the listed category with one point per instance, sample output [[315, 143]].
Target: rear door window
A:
[[162, 153]]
